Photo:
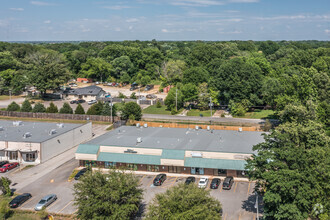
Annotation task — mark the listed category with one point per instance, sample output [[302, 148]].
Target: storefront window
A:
[[222, 172], [131, 166], [30, 157], [153, 168], [90, 163], [109, 164], [13, 155], [241, 173]]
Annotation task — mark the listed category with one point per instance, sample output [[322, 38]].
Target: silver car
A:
[[46, 201]]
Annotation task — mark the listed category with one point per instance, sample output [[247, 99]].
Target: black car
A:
[[3, 163], [228, 182], [19, 200], [149, 87], [215, 183], [159, 179], [73, 102], [189, 180], [81, 101], [80, 173]]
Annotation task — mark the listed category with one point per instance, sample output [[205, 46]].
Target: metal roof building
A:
[[171, 149], [36, 142]]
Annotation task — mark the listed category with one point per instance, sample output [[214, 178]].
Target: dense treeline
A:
[[239, 73]]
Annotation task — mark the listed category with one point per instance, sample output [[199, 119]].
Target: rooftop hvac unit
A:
[[17, 123], [196, 154], [51, 132], [145, 125], [208, 128], [1, 129], [137, 125], [196, 127], [139, 140], [240, 129], [27, 135], [60, 125]]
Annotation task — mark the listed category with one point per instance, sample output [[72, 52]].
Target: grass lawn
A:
[[197, 112], [6, 97], [152, 109], [259, 114]]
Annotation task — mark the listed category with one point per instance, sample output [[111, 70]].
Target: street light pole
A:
[[111, 110], [9, 94], [257, 205], [176, 99], [211, 105]]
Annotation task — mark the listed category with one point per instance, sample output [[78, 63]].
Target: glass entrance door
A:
[[193, 170]]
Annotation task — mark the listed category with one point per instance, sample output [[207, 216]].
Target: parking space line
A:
[[28, 201], [150, 181], [248, 188], [53, 203], [254, 216], [224, 218], [239, 216], [235, 186], [65, 207], [142, 177], [220, 187]]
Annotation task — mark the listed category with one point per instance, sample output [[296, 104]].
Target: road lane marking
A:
[[52, 180], [248, 188], [150, 181], [235, 187], [65, 207], [142, 178], [239, 217], [225, 217], [254, 216], [220, 187]]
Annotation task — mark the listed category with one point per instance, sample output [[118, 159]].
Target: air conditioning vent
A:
[[196, 154], [139, 140], [51, 132], [60, 125], [27, 135], [17, 123]]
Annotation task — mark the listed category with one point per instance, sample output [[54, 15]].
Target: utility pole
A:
[[111, 110], [257, 205], [211, 105], [9, 94], [176, 99]]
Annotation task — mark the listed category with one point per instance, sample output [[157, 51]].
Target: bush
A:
[[4, 186], [158, 104], [95, 109], [121, 95], [26, 106], [39, 107], [13, 107], [52, 108], [132, 108], [133, 96], [79, 110], [43, 214], [173, 111], [5, 211], [66, 109]]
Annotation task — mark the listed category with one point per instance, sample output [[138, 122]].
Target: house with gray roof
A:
[[87, 93], [174, 150], [36, 142]]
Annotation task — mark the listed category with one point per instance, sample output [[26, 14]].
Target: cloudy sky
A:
[[51, 20]]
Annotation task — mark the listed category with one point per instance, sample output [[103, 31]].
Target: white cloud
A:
[[132, 20], [17, 9], [327, 31], [117, 29], [196, 3], [230, 32], [130, 28], [164, 30], [38, 3], [243, 1], [47, 22], [117, 7]]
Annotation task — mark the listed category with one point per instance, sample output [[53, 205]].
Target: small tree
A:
[[115, 195], [5, 211], [132, 108], [66, 109], [4, 186], [184, 202], [121, 95], [13, 107], [158, 104], [39, 107], [79, 110], [95, 109], [26, 106], [133, 95], [52, 108], [92, 110], [107, 109]]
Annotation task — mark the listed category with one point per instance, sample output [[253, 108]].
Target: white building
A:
[[36, 142]]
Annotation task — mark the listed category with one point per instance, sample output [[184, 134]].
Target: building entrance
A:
[[197, 170]]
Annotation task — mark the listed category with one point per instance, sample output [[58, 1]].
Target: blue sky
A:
[[52, 20]]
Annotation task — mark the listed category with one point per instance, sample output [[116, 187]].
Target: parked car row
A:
[[203, 182], [43, 203], [6, 166], [77, 101]]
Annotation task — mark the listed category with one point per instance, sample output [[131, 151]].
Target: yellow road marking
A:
[[151, 181], [254, 216], [142, 177], [239, 217], [53, 203], [235, 187], [225, 217], [248, 188], [52, 180], [174, 181], [65, 206]]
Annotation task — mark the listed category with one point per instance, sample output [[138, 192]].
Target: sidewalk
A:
[[239, 179]]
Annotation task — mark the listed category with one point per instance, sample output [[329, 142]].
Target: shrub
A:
[[26, 106], [132, 108], [66, 109], [52, 108], [133, 96], [158, 104], [13, 107], [121, 95], [79, 110], [39, 107], [4, 186]]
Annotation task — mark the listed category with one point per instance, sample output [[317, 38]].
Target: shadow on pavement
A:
[[249, 204]]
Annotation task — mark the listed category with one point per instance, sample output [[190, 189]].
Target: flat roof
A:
[[40, 131], [181, 139]]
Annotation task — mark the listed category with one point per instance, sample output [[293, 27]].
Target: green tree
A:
[[66, 109], [48, 70], [26, 106], [189, 92], [131, 108], [203, 96], [13, 107], [195, 75], [158, 104], [292, 170], [96, 68], [145, 80], [52, 108], [115, 195], [5, 211], [39, 107], [79, 110], [107, 109], [239, 108], [121, 66], [4, 186], [133, 95], [95, 109], [172, 99], [184, 202]]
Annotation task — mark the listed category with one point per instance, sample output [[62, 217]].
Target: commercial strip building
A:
[[173, 150], [36, 142]]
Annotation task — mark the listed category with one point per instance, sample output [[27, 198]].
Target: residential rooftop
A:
[[35, 132], [180, 139], [89, 90]]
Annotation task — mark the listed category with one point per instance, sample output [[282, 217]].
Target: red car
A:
[[8, 166]]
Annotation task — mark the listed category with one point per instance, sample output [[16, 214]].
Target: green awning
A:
[[215, 163], [173, 154], [129, 158], [87, 149]]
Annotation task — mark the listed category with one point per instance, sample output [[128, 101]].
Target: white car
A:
[[203, 182], [91, 102]]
